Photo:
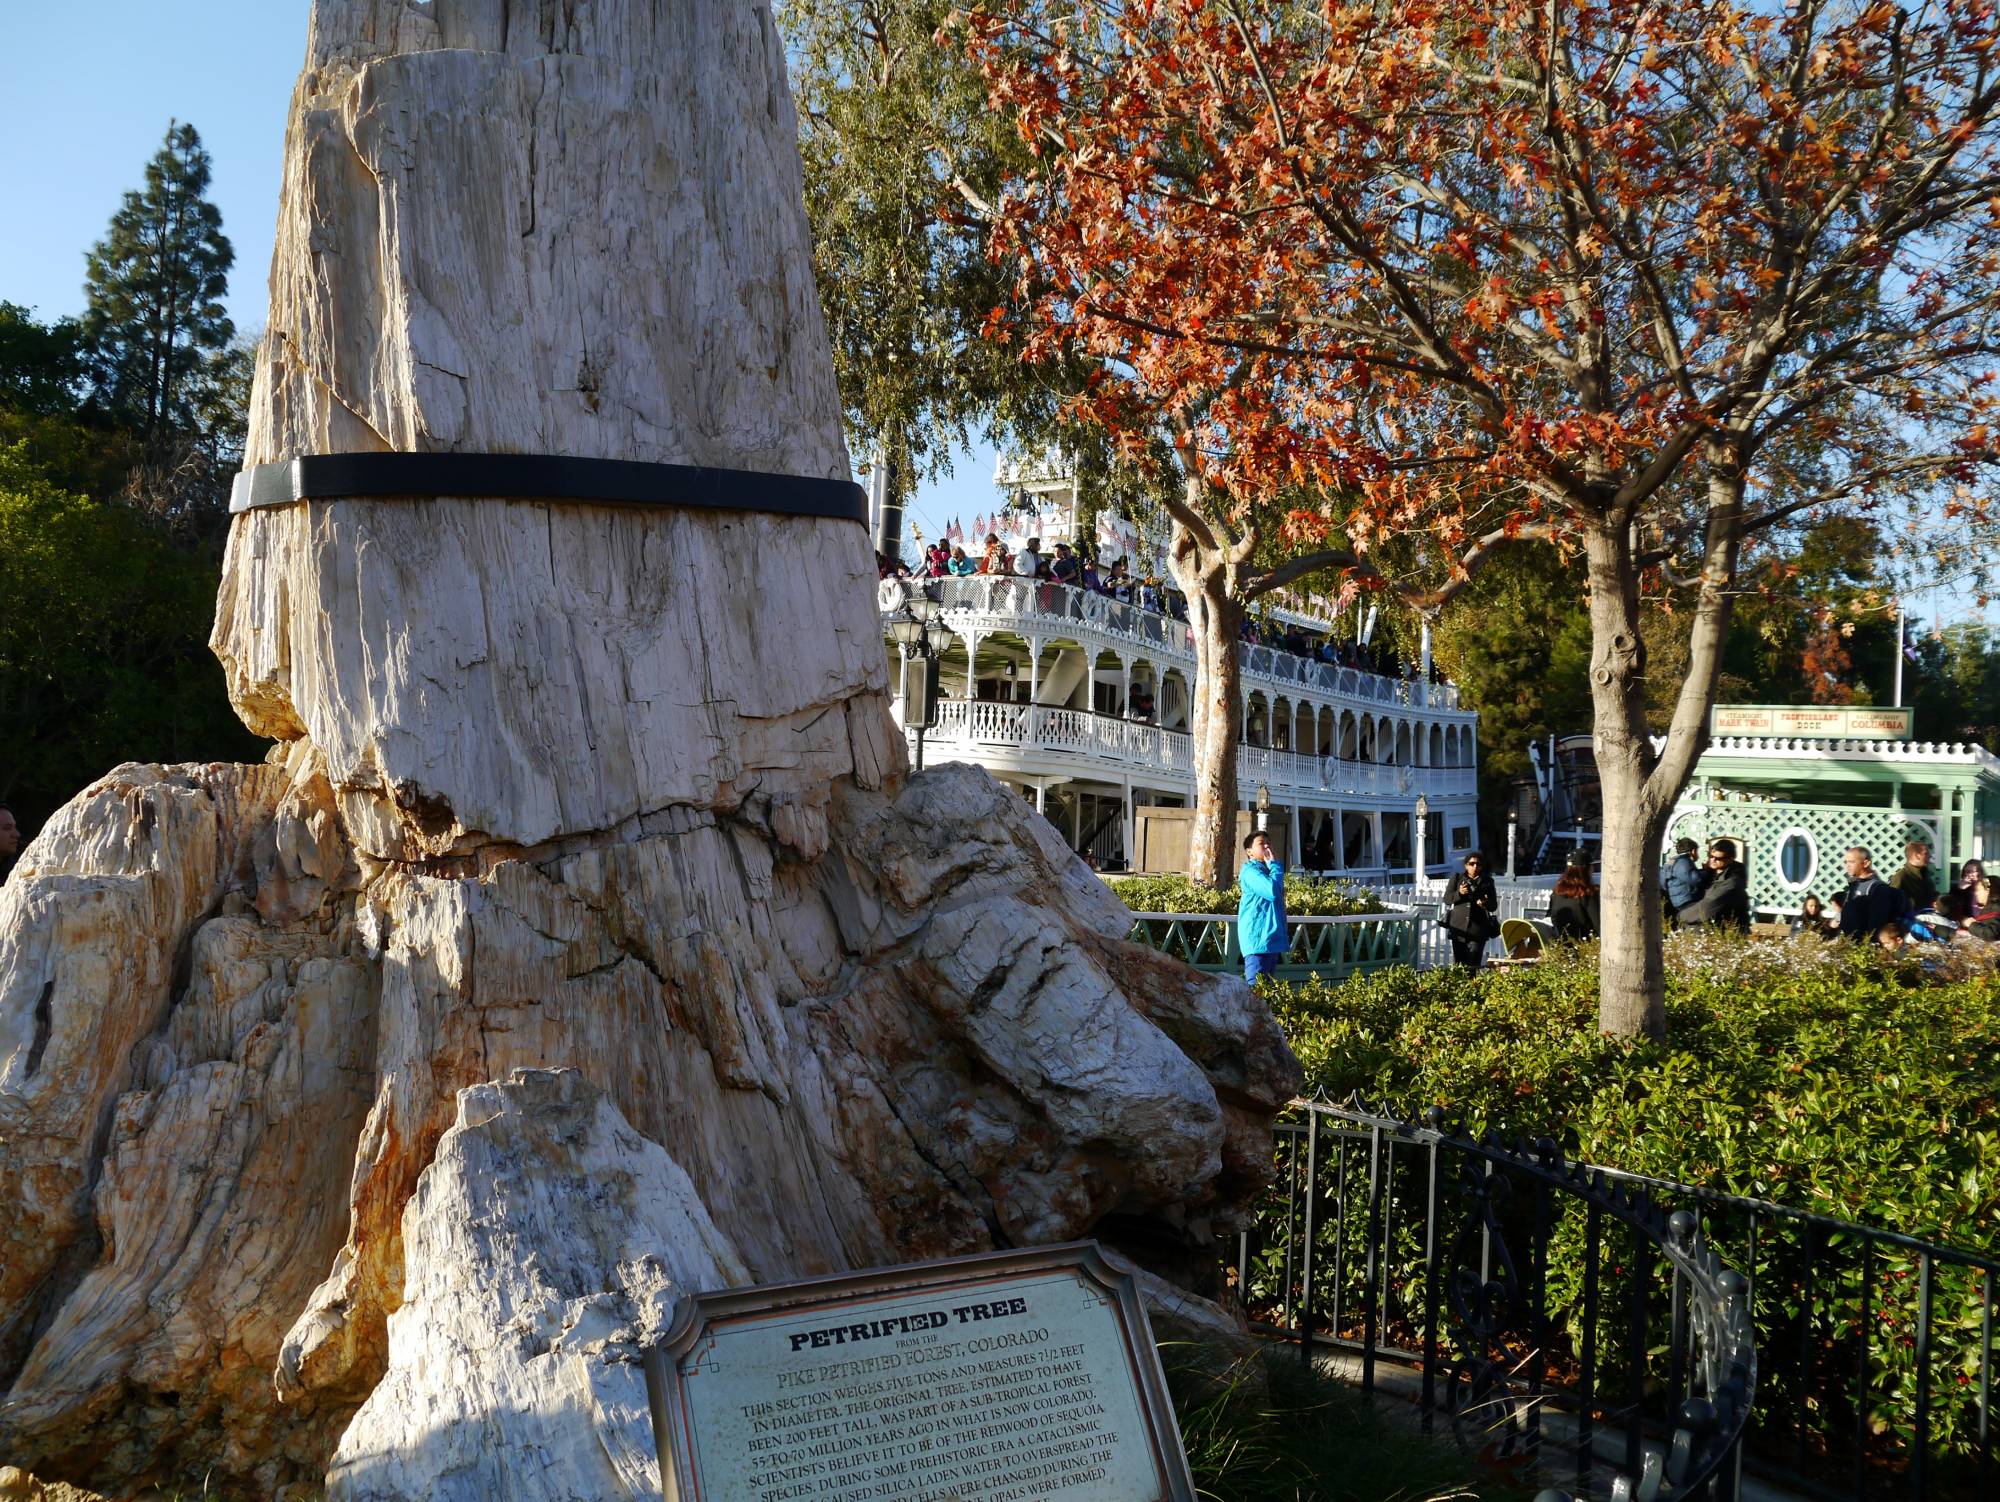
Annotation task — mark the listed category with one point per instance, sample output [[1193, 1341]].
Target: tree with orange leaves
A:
[[1648, 281]]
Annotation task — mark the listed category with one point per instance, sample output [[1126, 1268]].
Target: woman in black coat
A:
[[1470, 905], [1573, 907]]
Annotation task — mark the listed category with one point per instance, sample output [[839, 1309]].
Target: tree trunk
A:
[[1631, 978], [558, 785], [1215, 617]]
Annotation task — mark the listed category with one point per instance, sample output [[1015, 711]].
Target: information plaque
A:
[[1025, 1376]]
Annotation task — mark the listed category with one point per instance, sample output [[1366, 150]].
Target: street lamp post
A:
[[1422, 852], [1264, 809], [919, 629]]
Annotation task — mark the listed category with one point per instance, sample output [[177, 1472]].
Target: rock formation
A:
[[611, 789], [539, 1340]]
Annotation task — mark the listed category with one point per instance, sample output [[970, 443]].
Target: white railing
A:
[[1131, 743], [1433, 948], [1792, 748], [1045, 727], [1331, 774], [1004, 602]]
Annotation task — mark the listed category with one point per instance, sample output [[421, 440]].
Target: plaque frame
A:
[[698, 1312]]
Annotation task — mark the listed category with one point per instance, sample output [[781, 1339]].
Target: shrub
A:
[[1305, 896], [1798, 1071], [1824, 1077]]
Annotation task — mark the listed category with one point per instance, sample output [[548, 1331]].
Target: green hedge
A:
[[1305, 896], [1798, 1071], [1824, 1077]]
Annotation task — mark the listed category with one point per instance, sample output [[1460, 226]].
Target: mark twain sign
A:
[[1008, 1377], [1861, 722]]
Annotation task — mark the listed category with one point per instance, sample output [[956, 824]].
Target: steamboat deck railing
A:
[[1135, 745], [1003, 602]]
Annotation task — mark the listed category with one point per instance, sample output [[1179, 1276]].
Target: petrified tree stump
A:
[[613, 789]]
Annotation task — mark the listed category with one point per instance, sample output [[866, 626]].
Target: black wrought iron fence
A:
[[1606, 1328], [1876, 1353], [1555, 1318]]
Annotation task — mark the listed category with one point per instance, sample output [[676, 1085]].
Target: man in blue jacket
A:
[[1260, 910], [1683, 881]]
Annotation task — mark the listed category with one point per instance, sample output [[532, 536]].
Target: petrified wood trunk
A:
[[606, 788]]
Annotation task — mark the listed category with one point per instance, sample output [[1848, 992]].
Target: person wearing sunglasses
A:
[[1470, 905], [1956, 901], [1726, 903]]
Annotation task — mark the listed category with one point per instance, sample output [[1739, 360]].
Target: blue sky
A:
[[86, 91]]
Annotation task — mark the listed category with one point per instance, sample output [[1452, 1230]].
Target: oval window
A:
[[1798, 858]]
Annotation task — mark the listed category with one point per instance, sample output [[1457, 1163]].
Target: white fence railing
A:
[[1031, 727], [1134, 744], [1004, 602]]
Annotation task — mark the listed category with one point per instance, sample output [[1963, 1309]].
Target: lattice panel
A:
[[1760, 828]]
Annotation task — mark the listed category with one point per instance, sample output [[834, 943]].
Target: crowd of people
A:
[[1117, 581], [1907, 907], [1061, 565], [1893, 912]]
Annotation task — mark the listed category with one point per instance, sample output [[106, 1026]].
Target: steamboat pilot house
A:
[[1082, 702]]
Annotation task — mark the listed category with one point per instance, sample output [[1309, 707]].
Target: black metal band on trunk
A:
[[544, 477]]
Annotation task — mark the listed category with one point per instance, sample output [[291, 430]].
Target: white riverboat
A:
[[1081, 701]]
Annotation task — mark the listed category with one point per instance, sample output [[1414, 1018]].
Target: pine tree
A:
[[154, 321]]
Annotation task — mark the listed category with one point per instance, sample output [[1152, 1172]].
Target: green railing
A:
[[1329, 948]]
